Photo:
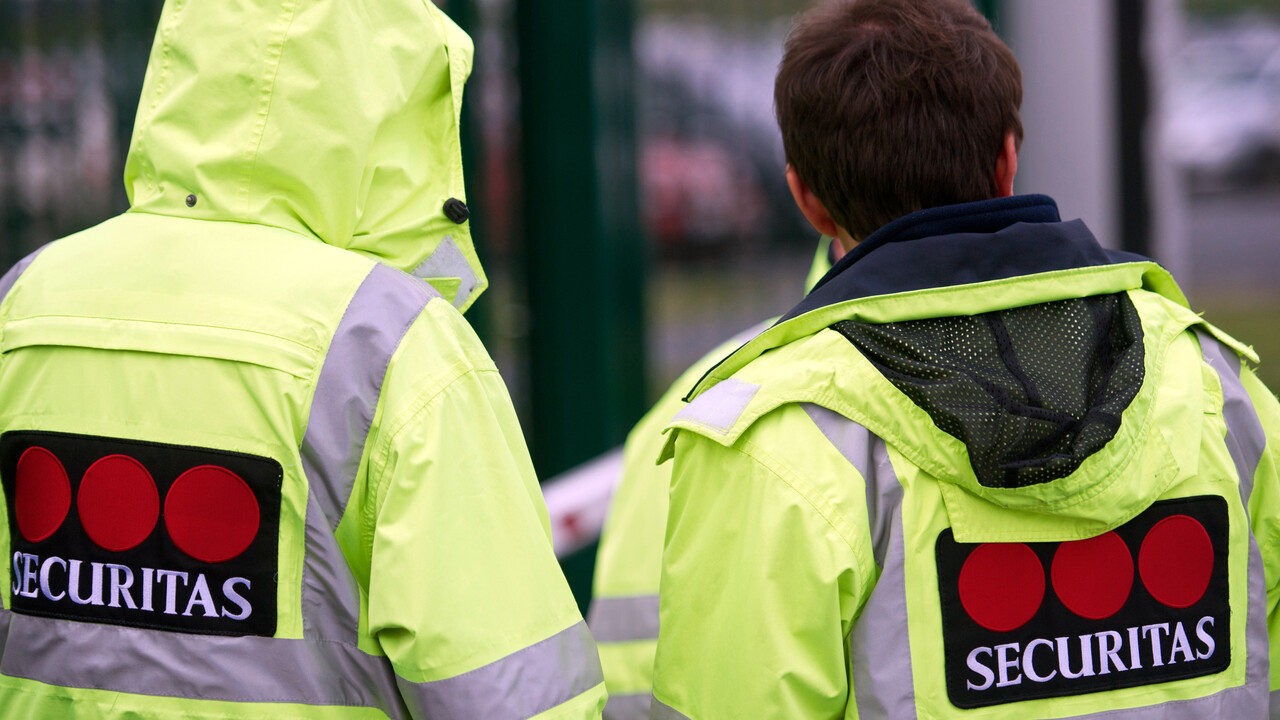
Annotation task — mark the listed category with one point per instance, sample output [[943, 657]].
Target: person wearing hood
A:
[[254, 461], [986, 468]]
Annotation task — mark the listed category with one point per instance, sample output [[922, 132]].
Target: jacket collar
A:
[[961, 244]]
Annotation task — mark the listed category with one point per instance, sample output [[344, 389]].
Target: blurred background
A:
[[626, 176]]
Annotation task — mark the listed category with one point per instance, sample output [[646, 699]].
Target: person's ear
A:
[[810, 206], [1006, 165]]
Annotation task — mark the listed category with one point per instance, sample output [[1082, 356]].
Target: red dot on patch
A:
[[118, 503], [1176, 561], [211, 514], [1093, 577], [42, 495], [1002, 585]]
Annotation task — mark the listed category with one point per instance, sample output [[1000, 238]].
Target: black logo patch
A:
[[1144, 604], [142, 534]]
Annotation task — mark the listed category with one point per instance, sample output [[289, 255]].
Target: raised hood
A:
[[336, 120]]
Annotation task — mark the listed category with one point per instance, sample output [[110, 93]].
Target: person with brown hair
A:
[[986, 467]]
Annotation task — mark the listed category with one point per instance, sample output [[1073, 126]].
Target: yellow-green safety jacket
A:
[[253, 464], [624, 603], [985, 470]]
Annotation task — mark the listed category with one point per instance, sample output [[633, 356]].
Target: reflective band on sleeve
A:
[[330, 597], [624, 619], [378, 316], [204, 667], [659, 710], [627, 707], [1275, 705], [721, 406], [869, 456], [1246, 439], [523, 684], [11, 277]]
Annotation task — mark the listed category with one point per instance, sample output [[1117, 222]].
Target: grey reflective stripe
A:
[[1246, 440], [342, 407], [722, 405], [627, 707], [623, 619], [868, 454], [448, 262], [205, 667], [518, 686], [879, 644], [1275, 705], [11, 277], [659, 710], [330, 596], [378, 316]]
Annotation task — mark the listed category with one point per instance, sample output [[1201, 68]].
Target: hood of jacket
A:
[[1003, 352], [335, 120]]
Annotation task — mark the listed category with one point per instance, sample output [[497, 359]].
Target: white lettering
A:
[[73, 584], [988, 677], [29, 565], [1180, 645], [1156, 653], [1108, 652], [1205, 638], [45, 567], [1004, 663], [229, 589], [1028, 664], [14, 581], [121, 588], [1135, 651], [200, 594], [146, 588], [170, 578], [1086, 658]]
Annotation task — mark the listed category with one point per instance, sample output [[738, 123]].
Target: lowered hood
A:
[[1002, 351], [335, 120]]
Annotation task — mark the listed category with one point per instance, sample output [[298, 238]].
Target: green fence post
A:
[[584, 259]]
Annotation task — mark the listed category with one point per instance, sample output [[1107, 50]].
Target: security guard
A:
[[624, 605], [254, 462], [986, 468]]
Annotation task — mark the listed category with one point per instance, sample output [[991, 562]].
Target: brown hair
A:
[[891, 106]]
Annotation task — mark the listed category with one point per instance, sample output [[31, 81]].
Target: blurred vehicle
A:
[[1223, 127]]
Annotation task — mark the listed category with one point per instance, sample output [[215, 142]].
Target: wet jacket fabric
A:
[[624, 605], [255, 462], [986, 469]]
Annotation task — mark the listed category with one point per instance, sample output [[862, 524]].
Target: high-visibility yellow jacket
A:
[[986, 469], [254, 465], [624, 602]]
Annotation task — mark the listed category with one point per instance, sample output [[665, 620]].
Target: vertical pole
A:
[[1133, 101], [583, 251]]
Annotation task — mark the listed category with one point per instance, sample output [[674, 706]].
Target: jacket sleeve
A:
[[1264, 515], [465, 595], [758, 592]]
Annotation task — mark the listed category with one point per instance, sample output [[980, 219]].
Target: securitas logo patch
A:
[[1146, 603], [141, 534]]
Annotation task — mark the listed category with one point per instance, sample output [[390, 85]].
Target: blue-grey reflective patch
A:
[[659, 710], [448, 262], [879, 645], [378, 316], [627, 707], [1246, 440], [11, 277], [523, 684], [205, 667], [722, 405], [624, 619]]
